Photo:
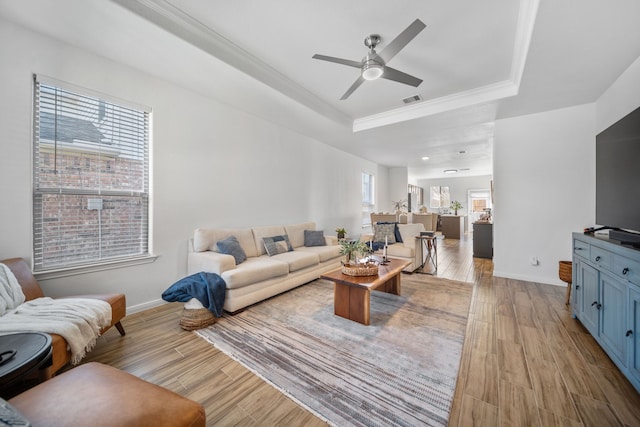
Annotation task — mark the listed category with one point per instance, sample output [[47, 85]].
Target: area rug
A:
[[399, 371]]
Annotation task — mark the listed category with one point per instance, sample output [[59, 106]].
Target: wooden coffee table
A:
[[352, 294]]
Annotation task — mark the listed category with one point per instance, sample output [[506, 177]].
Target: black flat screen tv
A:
[[618, 178]]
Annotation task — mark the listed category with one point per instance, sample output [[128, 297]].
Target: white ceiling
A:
[[479, 61]]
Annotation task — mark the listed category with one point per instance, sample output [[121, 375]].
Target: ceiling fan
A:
[[374, 65]]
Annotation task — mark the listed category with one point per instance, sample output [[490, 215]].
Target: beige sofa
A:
[[409, 249], [261, 276]]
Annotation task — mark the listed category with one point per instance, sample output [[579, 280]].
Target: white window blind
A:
[[439, 197], [91, 178]]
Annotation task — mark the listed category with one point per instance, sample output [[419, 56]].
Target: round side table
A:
[[32, 351]]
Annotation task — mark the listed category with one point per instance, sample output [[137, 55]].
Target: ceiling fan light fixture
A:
[[372, 70]]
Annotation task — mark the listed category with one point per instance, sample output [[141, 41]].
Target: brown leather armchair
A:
[[31, 289]]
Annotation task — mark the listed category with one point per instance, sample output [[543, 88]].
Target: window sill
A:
[[84, 269]]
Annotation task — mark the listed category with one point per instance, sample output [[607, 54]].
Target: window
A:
[[439, 197], [368, 199], [91, 178], [479, 205]]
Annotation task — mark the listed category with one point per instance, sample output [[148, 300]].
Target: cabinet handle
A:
[[629, 333], [598, 258], [625, 271], [578, 249], [577, 286], [598, 306], [594, 303]]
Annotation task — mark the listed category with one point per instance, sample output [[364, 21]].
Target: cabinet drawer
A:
[[581, 248], [600, 257], [626, 268]]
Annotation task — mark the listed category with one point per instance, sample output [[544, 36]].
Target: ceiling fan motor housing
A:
[[372, 40]]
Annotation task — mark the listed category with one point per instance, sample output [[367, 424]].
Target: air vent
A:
[[411, 99]]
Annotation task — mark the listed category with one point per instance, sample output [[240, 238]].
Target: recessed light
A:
[[451, 171], [425, 158]]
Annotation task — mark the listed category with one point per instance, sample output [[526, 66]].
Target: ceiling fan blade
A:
[[398, 76], [401, 41], [353, 87], [356, 64]]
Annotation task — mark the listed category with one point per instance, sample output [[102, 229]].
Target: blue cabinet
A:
[[606, 298], [632, 335], [613, 316], [588, 294]]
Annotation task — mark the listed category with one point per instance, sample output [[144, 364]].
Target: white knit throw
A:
[[11, 294], [77, 320]]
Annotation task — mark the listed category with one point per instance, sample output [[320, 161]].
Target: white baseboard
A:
[[535, 279], [145, 306]]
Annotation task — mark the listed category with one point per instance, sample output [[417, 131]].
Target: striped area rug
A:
[[399, 371]]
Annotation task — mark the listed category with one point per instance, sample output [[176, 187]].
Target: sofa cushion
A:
[[382, 231], [396, 231], [298, 260], [205, 239], [254, 270], [314, 238], [260, 232], [275, 245], [296, 232], [325, 253], [231, 246]]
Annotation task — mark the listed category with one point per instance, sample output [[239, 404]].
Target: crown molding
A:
[[458, 100], [504, 89], [175, 21], [186, 27], [526, 21]]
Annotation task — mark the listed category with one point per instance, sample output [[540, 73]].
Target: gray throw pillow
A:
[[277, 244], [314, 238], [231, 246], [380, 231]]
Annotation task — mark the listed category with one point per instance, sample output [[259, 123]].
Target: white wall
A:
[[544, 188], [621, 98], [212, 165], [398, 188], [544, 180]]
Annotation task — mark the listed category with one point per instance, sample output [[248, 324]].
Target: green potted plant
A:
[[351, 248], [455, 205], [341, 232]]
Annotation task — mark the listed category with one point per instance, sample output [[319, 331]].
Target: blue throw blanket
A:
[[208, 288]]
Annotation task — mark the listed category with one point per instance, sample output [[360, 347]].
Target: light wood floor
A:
[[525, 361]]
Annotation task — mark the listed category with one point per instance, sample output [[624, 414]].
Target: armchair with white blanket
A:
[[74, 323]]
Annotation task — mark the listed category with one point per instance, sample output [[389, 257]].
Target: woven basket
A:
[[196, 318], [564, 271], [360, 269]]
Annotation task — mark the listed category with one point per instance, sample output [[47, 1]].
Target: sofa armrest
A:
[[331, 240], [209, 261]]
